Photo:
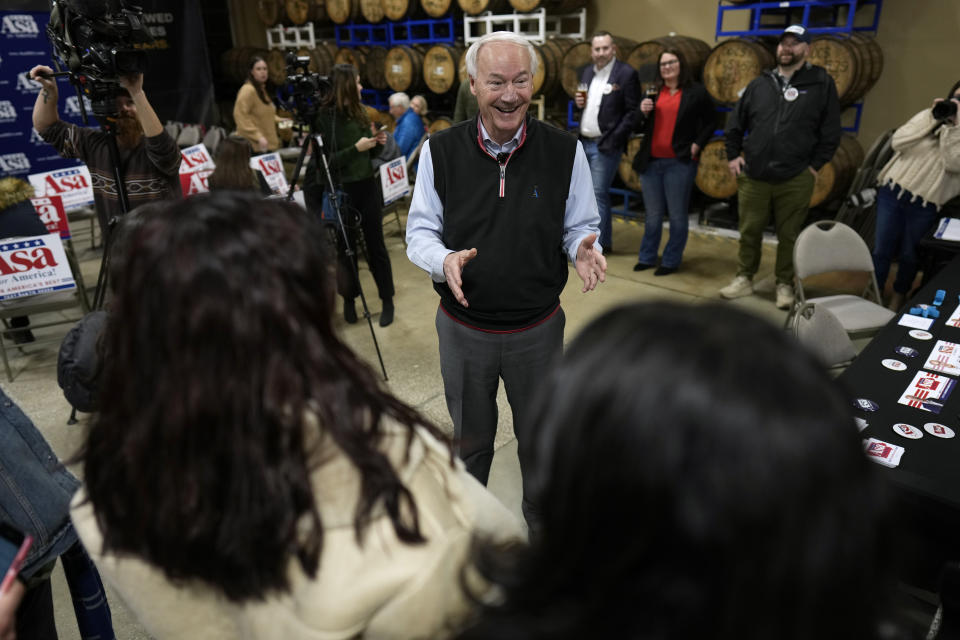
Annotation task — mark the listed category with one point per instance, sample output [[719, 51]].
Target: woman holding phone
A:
[[676, 126], [351, 143]]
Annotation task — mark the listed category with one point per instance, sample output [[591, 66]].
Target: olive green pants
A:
[[789, 201]]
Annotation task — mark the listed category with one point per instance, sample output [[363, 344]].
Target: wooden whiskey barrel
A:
[[403, 68], [713, 175], [371, 10], [440, 67], [400, 9], [270, 12], [342, 11], [646, 56], [552, 6], [436, 8], [235, 63], [578, 56], [376, 58], [627, 174], [304, 11], [551, 55], [732, 65], [462, 66], [277, 66], [854, 63], [323, 57], [834, 178], [476, 7], [357, 56], [439, 124]]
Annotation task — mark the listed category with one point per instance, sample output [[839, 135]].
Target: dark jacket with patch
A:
[[513, 212], [618, 108], [785, 137]]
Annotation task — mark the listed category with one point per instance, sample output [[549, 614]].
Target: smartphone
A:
[[14, 546]]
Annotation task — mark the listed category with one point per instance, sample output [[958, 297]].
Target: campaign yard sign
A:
[[52, 214], [32, 265], [196, 158], [72, 184], [393, 179], [270, 165]]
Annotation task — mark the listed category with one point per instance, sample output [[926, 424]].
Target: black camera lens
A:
[[944, 110]]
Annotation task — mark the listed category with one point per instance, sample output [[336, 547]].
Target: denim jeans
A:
[[667, 183], [603, 166], [900, 226]]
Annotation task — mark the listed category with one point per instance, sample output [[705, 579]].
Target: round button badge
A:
[[920, 334], [907, 351], [907, 431], [896, 365], [865, 405], [938, 430]]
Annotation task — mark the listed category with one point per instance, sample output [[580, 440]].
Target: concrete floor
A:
[[409, 349]]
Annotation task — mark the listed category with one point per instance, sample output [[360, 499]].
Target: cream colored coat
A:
[[928, 166], [382, 589]]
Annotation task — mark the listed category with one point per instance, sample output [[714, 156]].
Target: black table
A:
[[927, 480]]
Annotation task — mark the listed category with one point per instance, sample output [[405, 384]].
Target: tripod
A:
[[315, 142]]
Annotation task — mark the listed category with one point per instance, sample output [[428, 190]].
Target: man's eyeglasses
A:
[[669, 63]]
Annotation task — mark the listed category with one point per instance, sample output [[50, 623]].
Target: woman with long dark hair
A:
[[921, 177], [233, 166], [253, 112], [247, 476], [351, 144], [676, 127], [725, 496]]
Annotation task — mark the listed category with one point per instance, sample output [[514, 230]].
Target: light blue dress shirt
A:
[[425, 219]]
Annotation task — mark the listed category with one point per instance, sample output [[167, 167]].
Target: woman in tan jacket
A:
[[253, 112], [249, 477]]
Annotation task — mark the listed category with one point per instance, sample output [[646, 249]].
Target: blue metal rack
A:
[[770, 18], [392, 33]]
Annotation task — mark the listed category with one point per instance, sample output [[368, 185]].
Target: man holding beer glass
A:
[[609, 94]]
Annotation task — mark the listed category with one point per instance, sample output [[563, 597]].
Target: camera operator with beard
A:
[[149, 157]]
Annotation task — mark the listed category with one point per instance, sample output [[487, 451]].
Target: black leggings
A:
[[363, 200]]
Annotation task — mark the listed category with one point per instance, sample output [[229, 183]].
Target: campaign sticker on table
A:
[[883, 452], [938, 430], [866, 405], [896, 365], [907, 431], [907, 351], [920, 334], [928, 391]]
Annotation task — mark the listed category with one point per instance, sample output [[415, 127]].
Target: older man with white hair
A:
[[502, 201], [409, 128]]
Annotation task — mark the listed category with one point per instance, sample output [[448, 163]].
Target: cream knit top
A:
[[925, 163]]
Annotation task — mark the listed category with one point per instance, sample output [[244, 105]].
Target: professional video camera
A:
[[96, 40], [304, 90]]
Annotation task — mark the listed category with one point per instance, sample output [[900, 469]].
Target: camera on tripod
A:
[[305, 90], [98, 41]]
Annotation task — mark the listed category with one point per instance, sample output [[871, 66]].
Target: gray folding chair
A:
[[823, 335], [829, 246]]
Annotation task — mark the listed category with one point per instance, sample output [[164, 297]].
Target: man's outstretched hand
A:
[[591, 265], [453, 266]]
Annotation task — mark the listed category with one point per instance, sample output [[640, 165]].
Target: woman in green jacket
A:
[[351, 142]]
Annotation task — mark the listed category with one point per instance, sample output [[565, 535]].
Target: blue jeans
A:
[[603, 166], [667, 183], [900, 226]]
